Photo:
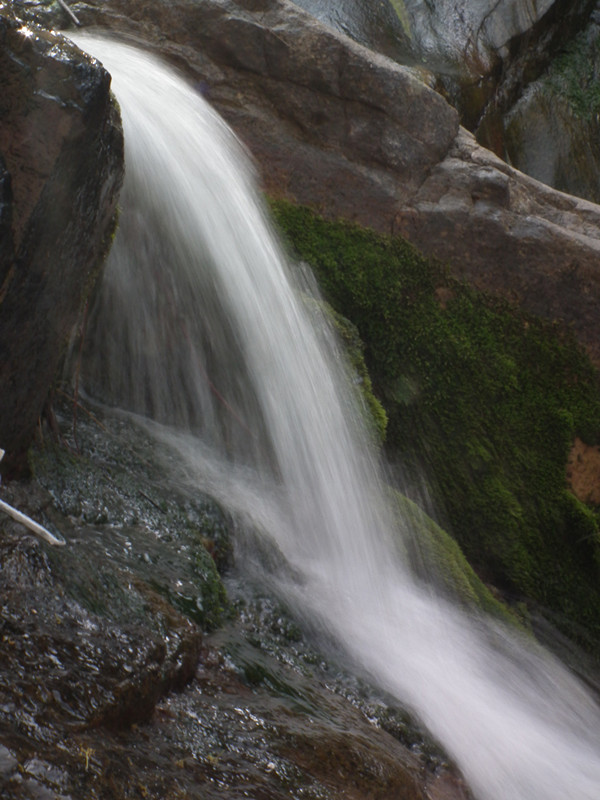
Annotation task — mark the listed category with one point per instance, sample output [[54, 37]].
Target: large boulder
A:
[[60, 171], [353, 134], [510, 235], [295, 90]]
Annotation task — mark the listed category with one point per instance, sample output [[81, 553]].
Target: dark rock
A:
[[61, 150], [106, 691], [62, 665], [6, 243]]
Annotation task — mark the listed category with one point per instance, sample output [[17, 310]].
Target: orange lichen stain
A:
[[444, 295], [583, 472]]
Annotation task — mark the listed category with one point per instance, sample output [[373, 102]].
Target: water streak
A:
[[201, 327]]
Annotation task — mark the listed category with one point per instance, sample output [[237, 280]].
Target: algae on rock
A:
[[483, 400]]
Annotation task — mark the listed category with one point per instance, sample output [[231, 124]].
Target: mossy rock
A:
[[435, 555], [374, 413], [574, 72], [482, 400], [126, 520]]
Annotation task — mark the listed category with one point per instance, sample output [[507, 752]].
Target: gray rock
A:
[[546, 140], [552, 131], [452, 30]]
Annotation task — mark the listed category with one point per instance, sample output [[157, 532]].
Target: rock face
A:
[[451, 31], [354, 135], [551, 133], [60, 171], [382, 26], [509, 235], [286, 83], [448, 34], [482, 53]]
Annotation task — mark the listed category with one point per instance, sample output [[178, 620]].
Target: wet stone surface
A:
[[112, 684], [61, 167]]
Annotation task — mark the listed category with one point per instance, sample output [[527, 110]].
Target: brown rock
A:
[[509, 235]]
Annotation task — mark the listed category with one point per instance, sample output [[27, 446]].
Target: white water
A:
[[197, 287]]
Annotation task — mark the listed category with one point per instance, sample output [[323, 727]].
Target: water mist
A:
[[200, 327]]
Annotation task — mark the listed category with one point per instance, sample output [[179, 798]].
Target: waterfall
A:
[[200, 326]]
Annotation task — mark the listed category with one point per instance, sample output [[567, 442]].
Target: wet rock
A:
[[66, 672], [60, 171], [107, 691], [63, 665]]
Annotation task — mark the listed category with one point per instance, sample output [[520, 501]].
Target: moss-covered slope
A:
[[485, 400]]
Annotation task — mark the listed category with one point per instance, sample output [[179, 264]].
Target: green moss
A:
[[483, 399], [400, 9], [375, 416], [433, 553]]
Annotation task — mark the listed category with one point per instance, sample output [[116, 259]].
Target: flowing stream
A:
[[201, 327]]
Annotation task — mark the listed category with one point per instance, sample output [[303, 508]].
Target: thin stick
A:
[[31, 524], [72, 14], [84, 409]]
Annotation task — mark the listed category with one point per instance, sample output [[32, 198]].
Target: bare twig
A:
[[72, 14], [76, 402], [28, 522], [31, 524]]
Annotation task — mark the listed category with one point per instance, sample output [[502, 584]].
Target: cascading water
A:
[[200, 327]]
